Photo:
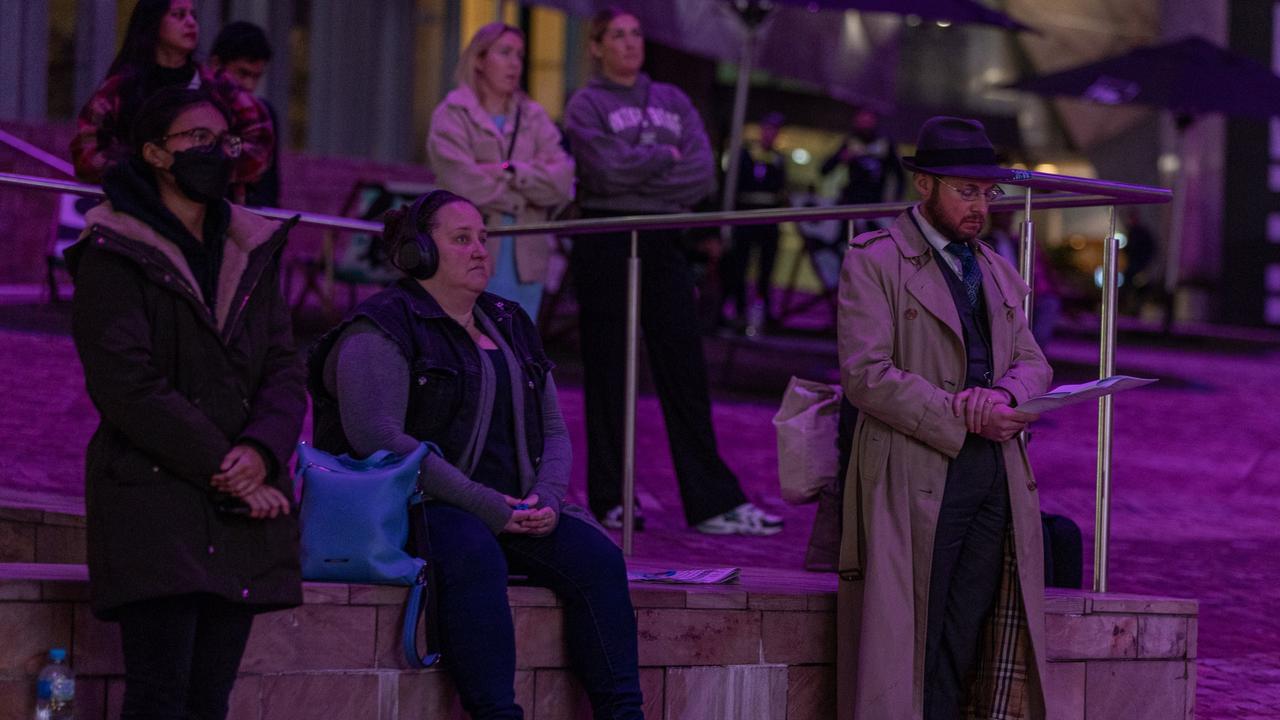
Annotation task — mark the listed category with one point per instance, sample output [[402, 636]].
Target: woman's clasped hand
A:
[[529, 519]]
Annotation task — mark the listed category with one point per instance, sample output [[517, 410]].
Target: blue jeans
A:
[[576, 561]]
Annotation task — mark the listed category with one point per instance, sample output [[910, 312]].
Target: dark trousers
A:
[[477, 635], [733, 274], [669, 322], [968, 552], [181, 655]]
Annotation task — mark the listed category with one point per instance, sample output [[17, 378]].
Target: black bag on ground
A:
[[1063, 552]]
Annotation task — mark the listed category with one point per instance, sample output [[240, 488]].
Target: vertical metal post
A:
[[1026, 268], [1027, 258], [1173, 248], [1107, 367], [741, 90], [629, 426]]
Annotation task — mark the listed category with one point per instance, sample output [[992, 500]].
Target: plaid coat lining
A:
[[999, 688]]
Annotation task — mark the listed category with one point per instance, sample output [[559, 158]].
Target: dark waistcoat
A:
[[976, 327], [979, 458]]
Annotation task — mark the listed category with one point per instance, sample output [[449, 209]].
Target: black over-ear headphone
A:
[[417, 254]]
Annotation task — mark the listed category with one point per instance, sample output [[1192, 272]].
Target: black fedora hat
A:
[[956, 147]]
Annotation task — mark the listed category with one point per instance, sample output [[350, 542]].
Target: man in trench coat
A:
[[941, 591]]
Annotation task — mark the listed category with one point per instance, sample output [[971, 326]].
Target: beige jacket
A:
[[466, 151], [901, 360]]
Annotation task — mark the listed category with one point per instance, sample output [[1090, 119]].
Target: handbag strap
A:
[[421, 602], [413, 613], [515, 131]]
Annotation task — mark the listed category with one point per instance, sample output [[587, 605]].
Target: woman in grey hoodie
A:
[[640, 148]]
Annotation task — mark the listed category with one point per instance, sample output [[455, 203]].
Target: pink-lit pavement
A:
[[1195, 510]]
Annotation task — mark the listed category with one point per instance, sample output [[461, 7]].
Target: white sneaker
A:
[[746, 519], [613, 519]]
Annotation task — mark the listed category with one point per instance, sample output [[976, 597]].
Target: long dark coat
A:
[[176, 387]]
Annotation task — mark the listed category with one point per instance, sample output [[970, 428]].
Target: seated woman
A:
[[434, 357]]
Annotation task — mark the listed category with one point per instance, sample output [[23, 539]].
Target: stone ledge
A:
[[40, 536], [769, 638], [1121, 603]]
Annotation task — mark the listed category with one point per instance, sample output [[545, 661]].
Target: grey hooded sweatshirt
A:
[[619, 136]]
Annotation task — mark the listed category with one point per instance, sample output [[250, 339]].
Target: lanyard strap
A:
[[515, 131]]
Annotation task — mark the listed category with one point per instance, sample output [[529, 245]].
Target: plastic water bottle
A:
[[56, 689]]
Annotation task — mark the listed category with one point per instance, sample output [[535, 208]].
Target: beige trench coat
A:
[[901, 360], [465, 150]]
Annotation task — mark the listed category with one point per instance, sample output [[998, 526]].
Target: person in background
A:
[[942, 531], [641, 148], [437, 358], [762, 184], [240, 54], [871, 162], [157, 53], [1139, 251], [189, 360], [1048, 301], [823, 239], [491, 143]]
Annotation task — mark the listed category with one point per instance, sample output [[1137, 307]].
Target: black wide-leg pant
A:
[[670, 328], [181, 655]]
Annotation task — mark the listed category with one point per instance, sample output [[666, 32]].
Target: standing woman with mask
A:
[[189, 359], [641, 149], [157, 53], [489, 142]]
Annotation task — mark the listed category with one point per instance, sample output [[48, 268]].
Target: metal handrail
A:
[[1100, 193], [1064, 192], [40, 155]]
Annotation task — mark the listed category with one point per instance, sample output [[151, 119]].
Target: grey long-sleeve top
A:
[[369, 376]]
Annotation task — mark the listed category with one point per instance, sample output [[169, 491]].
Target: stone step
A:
[[760, 649], [40, 536]]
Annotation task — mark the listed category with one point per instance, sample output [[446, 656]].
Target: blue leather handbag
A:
[[355, 525]]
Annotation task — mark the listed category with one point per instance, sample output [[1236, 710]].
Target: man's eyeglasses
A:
[[204, 138], [969, 193]]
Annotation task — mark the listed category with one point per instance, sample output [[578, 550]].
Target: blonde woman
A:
[[489, 142]]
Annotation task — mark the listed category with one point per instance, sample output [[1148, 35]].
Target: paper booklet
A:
[[702, 576], [1069, 394]]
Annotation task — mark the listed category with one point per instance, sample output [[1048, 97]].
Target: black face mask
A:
[[203, 174]]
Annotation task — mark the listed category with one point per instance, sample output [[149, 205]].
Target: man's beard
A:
[[951, 231]]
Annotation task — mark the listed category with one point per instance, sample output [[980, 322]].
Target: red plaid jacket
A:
[[101, 139]]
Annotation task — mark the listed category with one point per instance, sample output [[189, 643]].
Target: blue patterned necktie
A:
[[969, 265]]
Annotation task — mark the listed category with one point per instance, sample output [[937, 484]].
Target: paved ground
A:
[[1196, 495]]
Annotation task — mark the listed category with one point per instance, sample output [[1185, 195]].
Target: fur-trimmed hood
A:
[[176, 387], [246, 233]]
